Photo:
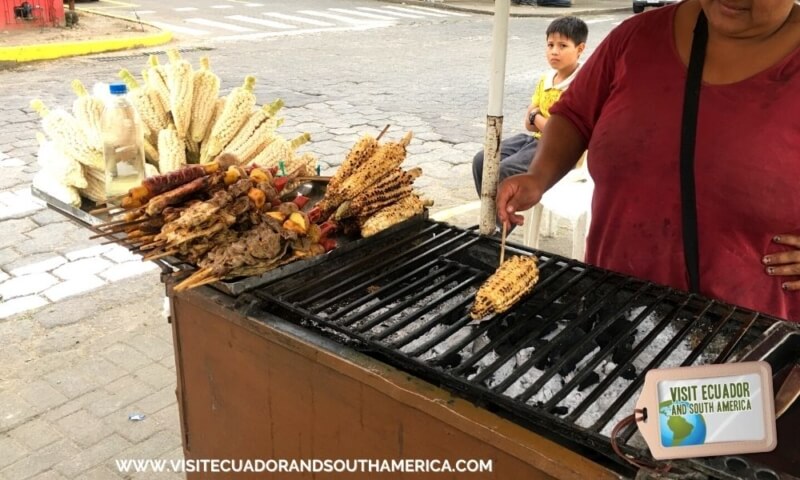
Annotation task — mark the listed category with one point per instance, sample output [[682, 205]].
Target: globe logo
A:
[[680, 430]]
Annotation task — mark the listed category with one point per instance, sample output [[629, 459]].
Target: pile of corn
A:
[[185, 121], [370, 189]]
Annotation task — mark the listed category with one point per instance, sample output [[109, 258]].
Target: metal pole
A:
[[494, 118]]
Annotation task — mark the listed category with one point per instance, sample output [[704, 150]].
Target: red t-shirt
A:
[[628, 100]]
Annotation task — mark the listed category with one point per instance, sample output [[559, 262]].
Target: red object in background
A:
[[31, 13]]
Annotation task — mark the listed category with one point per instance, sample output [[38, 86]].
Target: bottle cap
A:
[[118, 89]]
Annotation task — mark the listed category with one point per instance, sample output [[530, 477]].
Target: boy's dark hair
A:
[[571, 27]]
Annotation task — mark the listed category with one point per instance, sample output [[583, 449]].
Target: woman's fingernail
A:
[[766, 260], [776, 238], [785, 286], [770, 270]]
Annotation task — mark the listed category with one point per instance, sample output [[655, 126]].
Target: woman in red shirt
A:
[[626, 106]]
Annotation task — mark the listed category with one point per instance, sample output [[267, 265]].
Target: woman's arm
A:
[[560, 147]]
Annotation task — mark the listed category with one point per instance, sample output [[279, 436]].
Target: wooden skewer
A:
[[383, 131], [98, 211], [503, 244], [122, 223], [157, 256], [105, 234], [313, 179]]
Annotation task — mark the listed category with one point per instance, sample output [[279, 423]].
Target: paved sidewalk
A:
[[579, 7]]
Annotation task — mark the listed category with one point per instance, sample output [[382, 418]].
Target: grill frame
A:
[[289, 299]]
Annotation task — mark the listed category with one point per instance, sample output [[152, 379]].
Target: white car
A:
[[640, 5]]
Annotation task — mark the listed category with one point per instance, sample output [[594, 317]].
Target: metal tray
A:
[[314, 190]]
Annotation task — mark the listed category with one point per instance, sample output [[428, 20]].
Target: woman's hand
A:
[[785, 263], [516, 194]]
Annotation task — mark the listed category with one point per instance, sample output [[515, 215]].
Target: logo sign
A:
[[708, 410]]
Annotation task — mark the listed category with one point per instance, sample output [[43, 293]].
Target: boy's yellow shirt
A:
[[547, 93]]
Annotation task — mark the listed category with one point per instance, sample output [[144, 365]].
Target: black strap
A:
[[691, 103]]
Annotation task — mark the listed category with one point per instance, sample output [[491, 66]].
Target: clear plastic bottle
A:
[[123, 144]]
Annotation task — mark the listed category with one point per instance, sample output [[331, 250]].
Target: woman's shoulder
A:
[[654, 25]]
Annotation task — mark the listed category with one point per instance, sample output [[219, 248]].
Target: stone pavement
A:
[[83, 340]]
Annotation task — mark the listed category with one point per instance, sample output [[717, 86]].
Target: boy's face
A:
[[562, 53]]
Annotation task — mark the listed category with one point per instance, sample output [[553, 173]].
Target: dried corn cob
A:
[[150, 151], [206, 89], [395, 213], [68, 135], [181, 91], [239, 104], [46, 183], [514, 279], [59, 166], [88, 110], [364, 148], [279, 150], [388, 157], [146, 101], [156, 79], [386, 191], [257, 132], [171, 151]]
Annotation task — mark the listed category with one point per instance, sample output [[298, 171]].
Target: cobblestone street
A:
[[84, 342]]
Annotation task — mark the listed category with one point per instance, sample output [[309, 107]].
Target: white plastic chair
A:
[[570, 198]]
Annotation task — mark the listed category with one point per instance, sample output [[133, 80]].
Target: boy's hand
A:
[[529, 120], [516, 194], [784, 263]]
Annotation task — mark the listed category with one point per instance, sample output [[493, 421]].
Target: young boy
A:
[[566, 40]]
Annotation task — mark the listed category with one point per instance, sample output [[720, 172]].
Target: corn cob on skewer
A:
[[206, 90], [181, 91], [395, 213], [388, 157], [156, 79], [279, 150], [514, 279], [364, 148], [396, 185], [171, 151], [66, 133], [256, 133], [146, 101], [88, 110], [238, 105]]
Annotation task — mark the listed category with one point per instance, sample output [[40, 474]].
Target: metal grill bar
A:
[[386, 273], [433, 282], [539, 353], [401, 299], [471, 361]]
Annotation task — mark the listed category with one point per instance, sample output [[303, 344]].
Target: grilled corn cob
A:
[[257, 132], [88, 110], [146, 101], [171, 151], [156, 79], [388, 157], [388, 190], [395, 213], [238, 105], [279, 150], [206, 89], [514, 279], [181, 91], [67, 135], [364, 148], [150, 152]]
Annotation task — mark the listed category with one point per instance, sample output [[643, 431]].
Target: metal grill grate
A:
[[571, 357]]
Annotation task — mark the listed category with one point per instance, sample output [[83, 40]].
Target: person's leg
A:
[[509, 147], [520, 160]]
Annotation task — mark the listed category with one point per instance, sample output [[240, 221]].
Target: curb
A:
[[50, 51], [547, 12]]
